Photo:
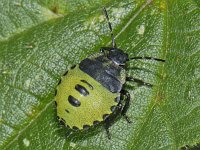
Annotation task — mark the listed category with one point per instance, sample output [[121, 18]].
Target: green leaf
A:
[[40, 40]]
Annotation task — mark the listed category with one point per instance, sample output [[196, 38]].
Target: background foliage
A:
[[40, 40]]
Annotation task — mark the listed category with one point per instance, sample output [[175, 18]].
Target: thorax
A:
[[103, 70]]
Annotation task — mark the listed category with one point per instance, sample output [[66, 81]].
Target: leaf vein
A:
[[29, 124]]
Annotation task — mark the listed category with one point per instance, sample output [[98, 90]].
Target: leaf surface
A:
[[40, 40]]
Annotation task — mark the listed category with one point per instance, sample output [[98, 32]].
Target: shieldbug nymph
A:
[[93, 89]]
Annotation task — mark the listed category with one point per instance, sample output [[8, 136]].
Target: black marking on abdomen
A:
[[87, 84], [105, 116], [65, 73], [86, 127], [72, 67], [117, 99], [96, 122], [75, 128], [113, 108], [82, 90], [67, 110], [55, 92], [74, 102], [59, 81], [62, 121]]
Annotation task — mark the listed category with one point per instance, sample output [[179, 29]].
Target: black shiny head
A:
[[117, 56]]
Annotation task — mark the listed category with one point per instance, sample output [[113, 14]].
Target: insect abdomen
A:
[[82, 101]]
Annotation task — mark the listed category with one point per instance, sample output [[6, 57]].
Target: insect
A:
[[93, 90]]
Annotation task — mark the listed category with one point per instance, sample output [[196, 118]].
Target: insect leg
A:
[[106, 126], [124, 108], [103, 49], [139, 81], [146, 58], [110, 27]]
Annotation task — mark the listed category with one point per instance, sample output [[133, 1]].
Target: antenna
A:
[[110, 27]]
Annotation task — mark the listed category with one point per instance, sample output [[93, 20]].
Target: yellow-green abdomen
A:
[[81, 100]]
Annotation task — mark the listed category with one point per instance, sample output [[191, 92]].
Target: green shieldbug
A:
[[94, 89]]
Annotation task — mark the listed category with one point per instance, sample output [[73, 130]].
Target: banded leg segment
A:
[[139, 81], [124, 108], [146, 58]]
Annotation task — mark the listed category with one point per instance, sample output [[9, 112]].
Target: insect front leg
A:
[[104, 49]]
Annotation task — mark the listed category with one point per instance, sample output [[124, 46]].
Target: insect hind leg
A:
[[124, 108], [106, 126], [140, 82], [121, 110]]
